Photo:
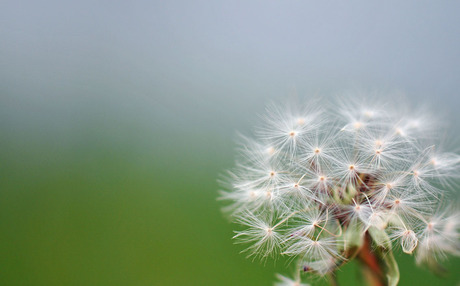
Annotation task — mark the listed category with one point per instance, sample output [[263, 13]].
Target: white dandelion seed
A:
[[262, 232], [286, 281], [407, 237], [313, 249], [306, 222]]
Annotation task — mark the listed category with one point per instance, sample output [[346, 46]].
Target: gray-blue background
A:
[[116, 118]]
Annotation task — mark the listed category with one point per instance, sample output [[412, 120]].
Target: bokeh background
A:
[[117, 117]]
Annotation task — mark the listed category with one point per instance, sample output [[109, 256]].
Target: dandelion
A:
[[325, 187]]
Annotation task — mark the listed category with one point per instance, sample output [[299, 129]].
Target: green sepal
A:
[[350, 193], [380, 237], [353, 235], [383, 242], [392, 270]]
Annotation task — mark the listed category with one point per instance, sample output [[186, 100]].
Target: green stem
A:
[[333, 279], [372, 265]]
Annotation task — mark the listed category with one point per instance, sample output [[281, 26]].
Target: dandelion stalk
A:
[[373, 269]]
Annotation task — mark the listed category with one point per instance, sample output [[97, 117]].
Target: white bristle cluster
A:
[[311, 183]]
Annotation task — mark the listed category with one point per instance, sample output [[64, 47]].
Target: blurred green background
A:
[[116, 120]]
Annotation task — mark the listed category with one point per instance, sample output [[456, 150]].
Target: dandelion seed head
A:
[[312, 183]]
